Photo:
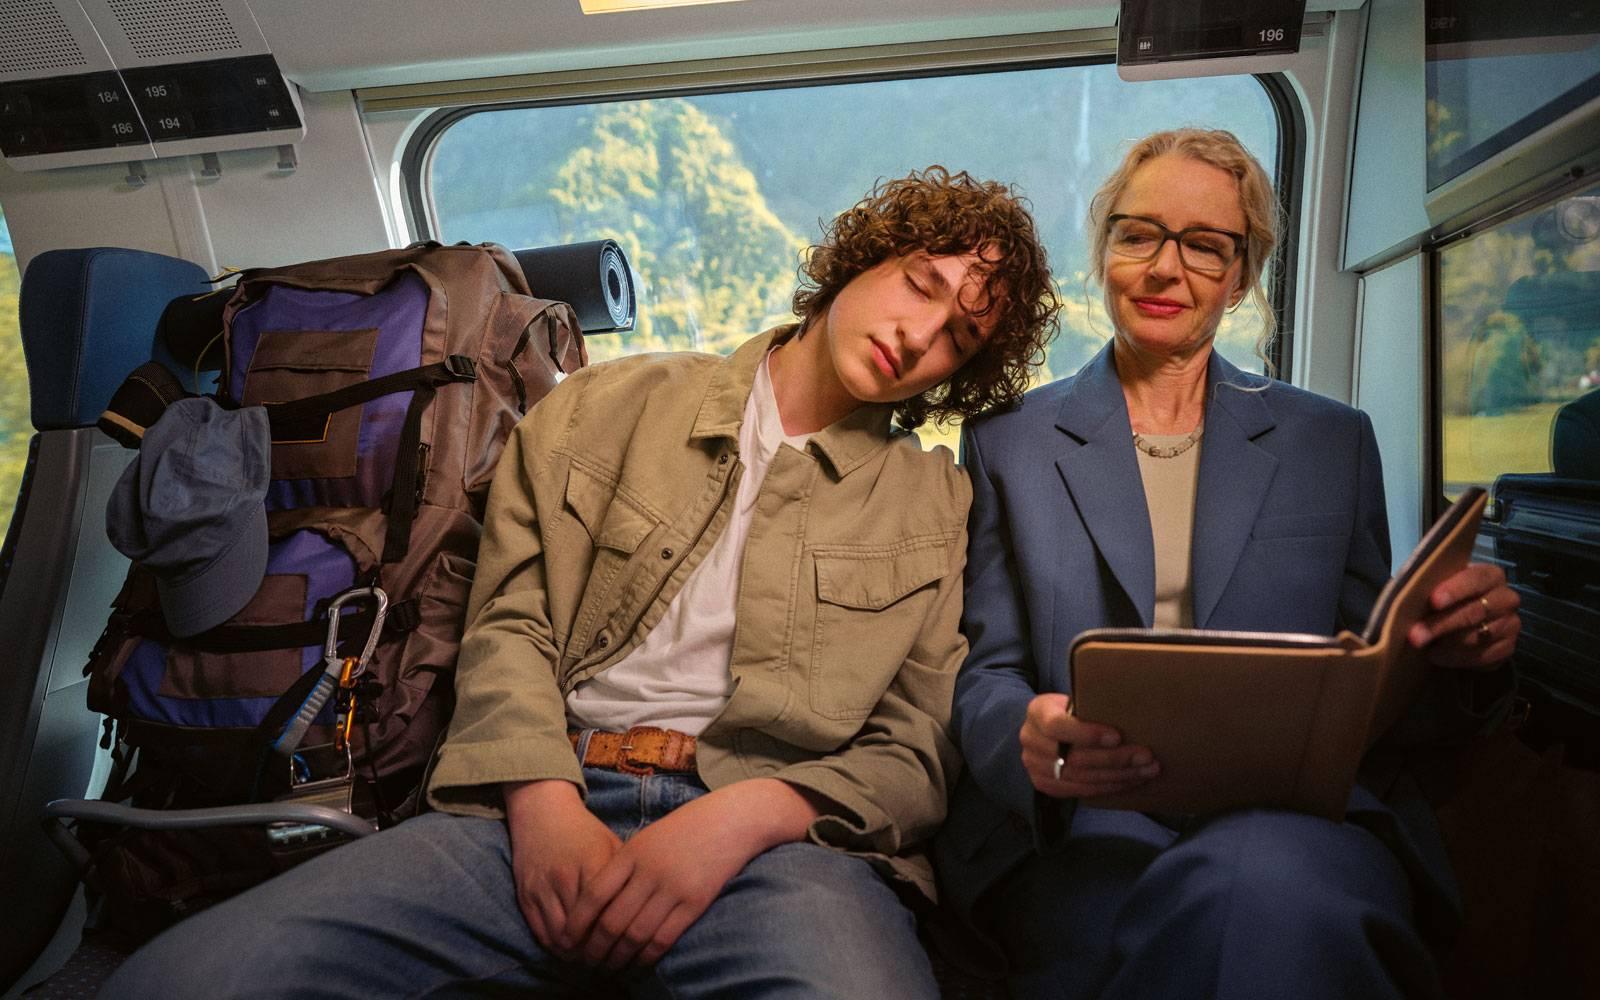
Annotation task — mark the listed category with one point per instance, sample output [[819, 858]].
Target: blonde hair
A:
[[1221, 149]]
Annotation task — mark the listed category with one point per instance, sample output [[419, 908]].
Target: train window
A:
[[16, 426], [1519, 318], [713, 196]]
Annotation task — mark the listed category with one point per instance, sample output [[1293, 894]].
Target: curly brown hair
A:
[[944, 214]]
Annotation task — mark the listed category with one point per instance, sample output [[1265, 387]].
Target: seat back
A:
[[88, 317]]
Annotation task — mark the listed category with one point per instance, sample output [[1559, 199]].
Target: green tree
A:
[[1505, 369], [714, 264], [16, 427]]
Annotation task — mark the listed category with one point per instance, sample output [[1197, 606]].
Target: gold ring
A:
[[1055, 769], [1483, 631], [1486, 614]]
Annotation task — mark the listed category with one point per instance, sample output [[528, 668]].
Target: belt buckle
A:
[[625, 761]]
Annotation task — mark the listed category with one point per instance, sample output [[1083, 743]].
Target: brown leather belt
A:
[[640, 750]]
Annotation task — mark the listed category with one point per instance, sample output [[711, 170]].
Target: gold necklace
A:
[[1171, 450]]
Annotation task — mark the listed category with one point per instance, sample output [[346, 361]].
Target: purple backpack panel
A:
[[303, 569], [320, 341]]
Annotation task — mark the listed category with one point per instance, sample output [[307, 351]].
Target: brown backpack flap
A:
[[479, 308], [532, 344]]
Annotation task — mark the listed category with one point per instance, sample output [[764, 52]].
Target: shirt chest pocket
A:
[[870, 608], [616, 529]]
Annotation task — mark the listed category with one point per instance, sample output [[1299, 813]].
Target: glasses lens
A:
[[1208, 251], [1136, 238]]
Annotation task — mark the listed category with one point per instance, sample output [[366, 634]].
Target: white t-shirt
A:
[[678, 677]]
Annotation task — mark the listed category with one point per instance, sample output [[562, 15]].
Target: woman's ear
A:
[[1237, 295]]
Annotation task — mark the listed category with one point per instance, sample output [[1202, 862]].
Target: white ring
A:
[[1055, 769]]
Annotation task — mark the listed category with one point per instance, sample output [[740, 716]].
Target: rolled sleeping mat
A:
[[591, 277]]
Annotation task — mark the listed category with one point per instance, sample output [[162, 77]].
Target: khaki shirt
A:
[[844, 658]]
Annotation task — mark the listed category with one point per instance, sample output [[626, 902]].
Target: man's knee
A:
[[803, 920], [191, 959]]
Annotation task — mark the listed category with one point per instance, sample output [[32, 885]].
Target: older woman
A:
[[1162, 486]]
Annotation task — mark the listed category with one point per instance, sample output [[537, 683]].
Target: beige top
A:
[[614, 488], [1169, 485], [678, 678]]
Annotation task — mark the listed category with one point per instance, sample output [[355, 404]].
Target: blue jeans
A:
[[428, 909]]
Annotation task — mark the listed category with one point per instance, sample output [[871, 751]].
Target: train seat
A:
[[87, 317]]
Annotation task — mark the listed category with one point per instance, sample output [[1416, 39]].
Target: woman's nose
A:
[[1168, 260]]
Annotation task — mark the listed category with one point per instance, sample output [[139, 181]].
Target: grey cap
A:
[[191, 507]]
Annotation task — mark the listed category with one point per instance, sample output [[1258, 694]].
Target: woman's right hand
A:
[[1094, 761]]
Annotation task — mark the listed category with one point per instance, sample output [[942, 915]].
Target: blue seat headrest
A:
[[88, 317]]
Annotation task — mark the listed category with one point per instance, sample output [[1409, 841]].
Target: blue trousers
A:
[[428, 909], [1255, 904]]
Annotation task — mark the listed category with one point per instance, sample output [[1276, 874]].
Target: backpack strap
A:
[[402, 617], [306, 418], [303, 419], [403, 498]]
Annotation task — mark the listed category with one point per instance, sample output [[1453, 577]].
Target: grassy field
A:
[[1478, 448]]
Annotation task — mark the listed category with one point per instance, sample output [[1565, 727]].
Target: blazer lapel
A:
[[1102, 475], [1235, 473]]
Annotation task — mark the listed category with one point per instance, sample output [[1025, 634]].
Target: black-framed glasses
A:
[[1201, 248]]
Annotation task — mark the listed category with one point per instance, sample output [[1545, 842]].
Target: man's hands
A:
[[557, 847], [666, 875], [1475, 622], [1094, 761], [591, 899]]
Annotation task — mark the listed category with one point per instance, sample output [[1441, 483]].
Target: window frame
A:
[[1433, 250], [1288, 177]]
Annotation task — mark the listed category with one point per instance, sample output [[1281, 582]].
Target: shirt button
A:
[[666, 553], [722, 459], [603, 642]]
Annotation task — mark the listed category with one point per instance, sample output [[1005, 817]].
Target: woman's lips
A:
[[1158, 307]]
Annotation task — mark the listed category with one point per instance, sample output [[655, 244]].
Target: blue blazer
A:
[[1290, 534]]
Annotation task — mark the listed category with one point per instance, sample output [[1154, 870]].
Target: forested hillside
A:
[[714, 196]]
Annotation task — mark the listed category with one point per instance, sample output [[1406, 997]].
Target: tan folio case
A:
[[1241, 719]]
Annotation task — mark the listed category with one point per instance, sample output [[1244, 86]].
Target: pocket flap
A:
[[609, 519], [316, 350], [874, 580]]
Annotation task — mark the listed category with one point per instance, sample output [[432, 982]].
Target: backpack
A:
[[391, 381]]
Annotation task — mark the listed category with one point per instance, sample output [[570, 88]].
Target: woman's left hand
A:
[[1475, 622]]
